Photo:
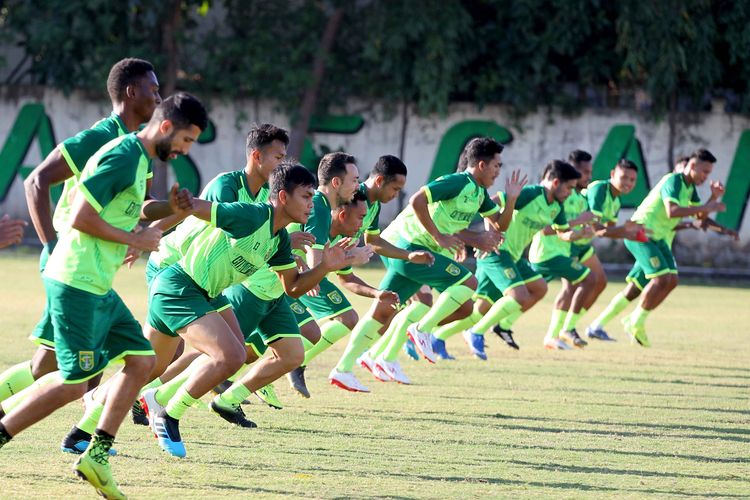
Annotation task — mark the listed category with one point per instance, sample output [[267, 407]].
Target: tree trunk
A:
[[309, 101], [672, 119], [170, 48], [402, 147]]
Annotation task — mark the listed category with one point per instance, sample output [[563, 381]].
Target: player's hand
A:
[[514, 184], [421, 257], [449, 241], [301, 264], [586, 232], [11, 231], [335, 257], [388, 298], [147, 240], [631, 230], [461, 254], [314, 291], [180, 200], [360, 255], [489, 240], [586, 218], [715, 206], [131, 256], [301, 240], [732, 234], [717, 190]]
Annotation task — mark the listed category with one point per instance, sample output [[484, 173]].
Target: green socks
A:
[[91, 417], [507, 322], [15, 379], [499, 310], [330, 333], [446, 303], [363, 336], [179, 403], [9, 404], [397, 322], [556, 323], [638, 317], [166, 391], [571, 320], [413, 313], [233, 396], [447, 331], [618, 303]]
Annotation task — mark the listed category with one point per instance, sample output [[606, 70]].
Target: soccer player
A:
[[92, 325], [436, 221], [238, 239], [134, 93], [508, 286]]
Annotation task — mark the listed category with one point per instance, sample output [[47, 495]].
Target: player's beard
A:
[[164, 148]]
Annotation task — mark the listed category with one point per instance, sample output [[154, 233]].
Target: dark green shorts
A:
[[562, 267], [654, 257], [175, 301], [301, 315], [330, 302], [581, 252], [151, 271], [637, 277], [261, 321], [497, 273], [405, 278], [43, 334], [91, 331]]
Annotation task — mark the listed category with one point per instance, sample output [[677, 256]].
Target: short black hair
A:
[[462, 162], [481, 149], [389, 167], [288, 176], [264, 134], [626, 164], [682, 159], [358, 196], [561, 170], [333, 165], [577, 156], [703, 155], [183, 110], [124, 73]]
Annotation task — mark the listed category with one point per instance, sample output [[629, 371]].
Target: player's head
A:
[[266, 147], [699, 166], [291, 189], [560, 178], [132, 82], [482, 156], [180, 119], [680, 164], [387, 178], [581, 160], [339, 171], [623, 177], [348, 218]]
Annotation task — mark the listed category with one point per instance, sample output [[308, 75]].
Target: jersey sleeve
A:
[[282, 259], [445, 188], [220, 190], [488, 207], [374, 227], [78, 149], [561, 220], [596, 197], [319, 223], [239, 219], [670, 191], [114, 173], [695, 200], [527, 195]]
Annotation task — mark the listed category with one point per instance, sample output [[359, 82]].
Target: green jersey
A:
[[545, 247], [76, 151], [652, 212], [453, 201], [371, 222], [237, 242], [114, 183], [532, 213]]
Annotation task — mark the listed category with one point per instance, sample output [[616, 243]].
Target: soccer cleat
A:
[[77, 441], [267, 394], [151, 406], [94, 468], [346, 381], [636, 334], [475, 343], [167, 431], [572, 337], [232, 414], [411, 350], [138, 414], [380, 374], [393, 370], [555, 344], [296, 379], [438, 347], [599, 334], [366, 361], [506, 336], [422, 341]]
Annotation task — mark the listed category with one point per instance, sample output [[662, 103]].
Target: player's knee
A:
[[424, 295], [293, 356], [674, 281], [471, 283], [464, 310], [43, 362], [140, 366], [71, 392], [349, 318], [230, 360], [250, 355], [311, 331]]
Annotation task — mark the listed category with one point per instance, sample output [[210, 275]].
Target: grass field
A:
[[612, 420]]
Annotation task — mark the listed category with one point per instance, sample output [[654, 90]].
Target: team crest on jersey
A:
[[335, 297], [297, 308], [453, 270], [86, 360], [510, 274], [575, 265], [655, 262]]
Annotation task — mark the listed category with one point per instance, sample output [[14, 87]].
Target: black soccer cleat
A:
[[233, 415], [506, 336], [138, 414]]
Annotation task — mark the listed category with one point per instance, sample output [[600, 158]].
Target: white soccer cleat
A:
[[555, 344], [347, 381], [380, 374], [422, 341], [393, 370], [151, 406], [366, 361]]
